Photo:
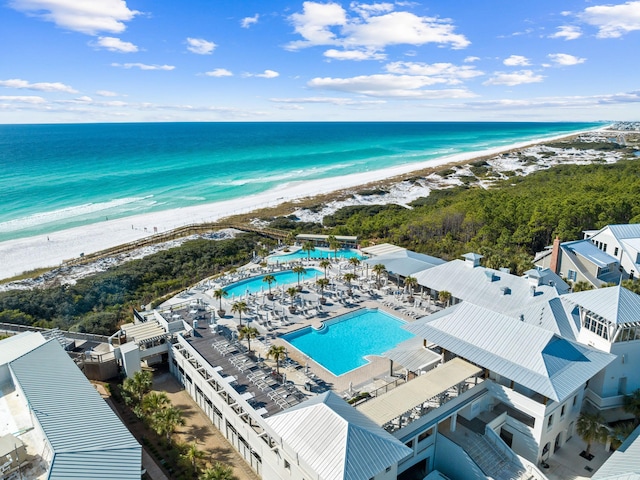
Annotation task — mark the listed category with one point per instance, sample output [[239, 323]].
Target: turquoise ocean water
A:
[[54, 177]]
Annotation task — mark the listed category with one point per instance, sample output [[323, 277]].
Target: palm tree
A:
[[194, 456], [322, 283], [326, 264], [154, 402], [269, 279], [444, 297], [632, 405], [239, 307], [349, 277], [219, 471], [308, 247], [581, 286], [379, 269], [620, 433], [355, 261], [411, 283], [166, 421], [333, 245], [300, 270], [248, 333], [292, 291], [219, 295], [591, 428], [290, 238], [278, 352], [135, 388]]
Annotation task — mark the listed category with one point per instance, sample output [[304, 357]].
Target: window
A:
[[425, 434], [287, 465], [572, 275], [388, 469], [409, 444], [550, 421], [562, 410], [615, 252]]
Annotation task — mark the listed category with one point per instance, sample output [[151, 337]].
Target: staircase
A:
[[494, 464]]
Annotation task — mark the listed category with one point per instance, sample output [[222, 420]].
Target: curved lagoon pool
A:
[[343, 253], [257, 284]]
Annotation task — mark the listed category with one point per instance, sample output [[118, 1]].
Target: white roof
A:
[[142, 332], [590, 252], [87, 438], [550, 365], [17, 345], [624, 463], [382, 249], [412, 355], [336, 440], [616, 304], [403, 398], [405, 262]]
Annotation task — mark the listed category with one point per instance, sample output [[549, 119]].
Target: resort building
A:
[[621, 242], [580, 261], [319, 240], [67, 428]]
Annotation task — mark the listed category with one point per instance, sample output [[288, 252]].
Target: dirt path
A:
[[199, 428]]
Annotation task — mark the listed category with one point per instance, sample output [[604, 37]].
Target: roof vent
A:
[[522, 317], [505, 290], [532, 290]]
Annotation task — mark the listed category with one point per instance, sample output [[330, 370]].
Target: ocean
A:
[[54, 177]]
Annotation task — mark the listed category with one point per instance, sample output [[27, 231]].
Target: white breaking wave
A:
[[293, 174], [43, 218]]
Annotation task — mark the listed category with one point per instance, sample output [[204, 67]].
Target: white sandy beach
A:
[[41, 251]]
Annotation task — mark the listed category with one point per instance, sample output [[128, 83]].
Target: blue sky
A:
[[257, 60]]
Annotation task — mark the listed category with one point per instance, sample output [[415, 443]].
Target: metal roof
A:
[[382, 249], [412, 355], [145, 331], [403, 398], [87, 438], [405, 262], [616, 304], [17, 345], [590, 252], [624, 231], [550, 365], [624, 463], [337, 441]]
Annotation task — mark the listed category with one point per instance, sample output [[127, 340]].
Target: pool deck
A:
[[272, 319]]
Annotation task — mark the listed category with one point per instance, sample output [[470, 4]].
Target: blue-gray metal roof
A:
[[616, 304], [625, 231], [405, 262], [624, 463], [87, 438], [590, 252], [17, 345], [550, 365], [336, 440]]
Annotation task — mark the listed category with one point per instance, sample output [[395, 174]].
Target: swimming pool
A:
[[344, 341], [317, 253], [257, 284]]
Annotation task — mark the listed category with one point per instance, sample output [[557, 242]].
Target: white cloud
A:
[[613, 21], [373, 27], [200, 46], [516, 61], [356, 55], [219, 72], [265, 74], [568, 32], [40, 86], [329, 100], [143, 66], [30, 99], [248, 21], [388, 85], [106, 93], [514, 78], [471, 59], [115, 45], [438, 72], [565, 59], [90, 17]]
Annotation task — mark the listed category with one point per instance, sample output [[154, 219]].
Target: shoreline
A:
[[50, 251]]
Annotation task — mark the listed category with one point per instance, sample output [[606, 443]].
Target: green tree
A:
[[632, 405], [299, 270], [269, 279], [135, 388], [219, 471], [166, 421], [354, 261], [239, 307], [444, 297], [322, 283], [582, 286], [333, 245], [591, 428], [154, 402], [292, 292], [194, 456], [349, 277], [308, 247], [249, 333], [277, 352], [411, 283], [219, 294], [326, 264], [379, 269], [619, 433]]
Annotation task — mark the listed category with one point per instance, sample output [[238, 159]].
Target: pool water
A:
[[317, 253], [257, 284], [344, 341]]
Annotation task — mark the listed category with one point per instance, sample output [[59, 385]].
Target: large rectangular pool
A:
[[342, 344]]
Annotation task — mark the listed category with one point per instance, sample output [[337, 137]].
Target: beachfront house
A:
[[580, 261], [621, 242]]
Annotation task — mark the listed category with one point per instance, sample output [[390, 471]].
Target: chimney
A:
[[555, 256]]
